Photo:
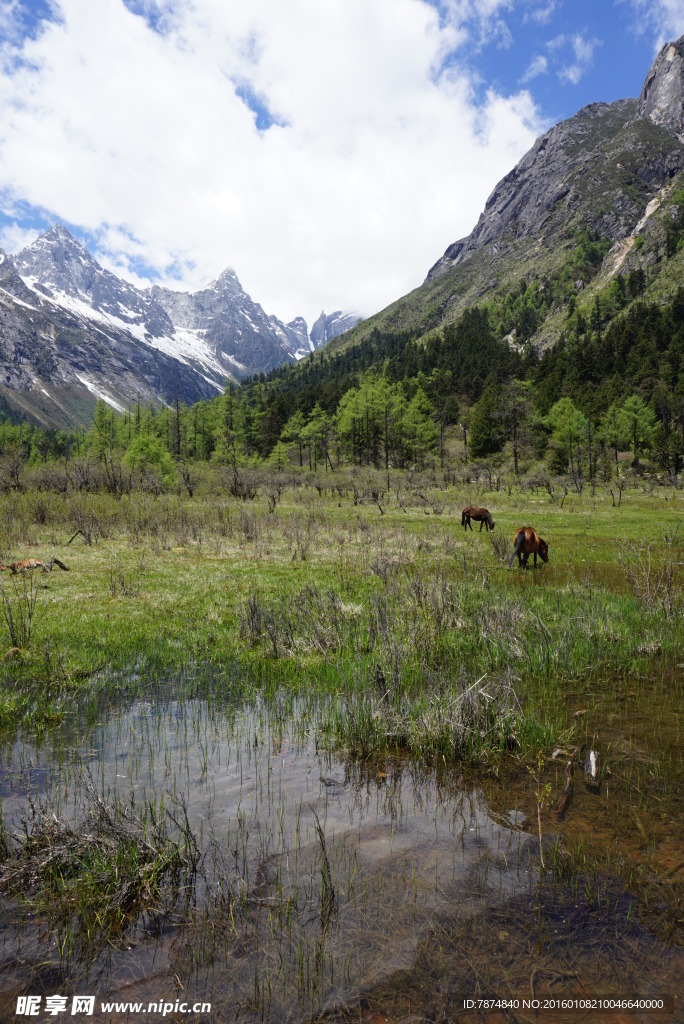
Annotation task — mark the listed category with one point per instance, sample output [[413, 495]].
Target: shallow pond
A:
[[422, 889]]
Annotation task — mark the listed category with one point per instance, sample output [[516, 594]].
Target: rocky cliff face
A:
[[331, 325], [59, 353], [662, 97], [58, 267], [71, 332], [234, 329], [600, 167]]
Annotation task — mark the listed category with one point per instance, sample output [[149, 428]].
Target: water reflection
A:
[[431, 896]]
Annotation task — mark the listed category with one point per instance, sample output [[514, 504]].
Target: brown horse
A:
[[528, 542], [480, 515]]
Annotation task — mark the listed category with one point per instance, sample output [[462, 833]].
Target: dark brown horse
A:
[[528, 542], [480, 515]]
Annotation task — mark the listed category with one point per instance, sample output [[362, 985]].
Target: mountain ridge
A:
[[596, 172], [72, 332]]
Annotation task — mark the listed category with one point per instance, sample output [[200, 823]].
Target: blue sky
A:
[[569, 54], [327, 150]]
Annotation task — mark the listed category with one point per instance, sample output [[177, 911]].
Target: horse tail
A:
[[518, 546]]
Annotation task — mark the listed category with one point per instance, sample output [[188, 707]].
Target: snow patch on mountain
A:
[[99, 392], [66, 319], [188, 346]]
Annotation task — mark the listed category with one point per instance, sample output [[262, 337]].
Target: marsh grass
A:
[[317, 590], [123, 581], [90, 878], [221, 633], [448, 722]]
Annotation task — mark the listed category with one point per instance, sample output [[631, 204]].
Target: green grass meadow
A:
[[321, 594]]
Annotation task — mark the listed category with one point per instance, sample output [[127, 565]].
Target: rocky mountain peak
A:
[[588, 168], [331, 325], [227, 281], [59, 233], [662, 97], [299, 324], [57, 261], [54, 244]]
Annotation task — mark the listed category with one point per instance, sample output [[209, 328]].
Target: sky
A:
[[327, 150]]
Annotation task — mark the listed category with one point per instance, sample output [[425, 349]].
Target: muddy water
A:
[[435, 891]]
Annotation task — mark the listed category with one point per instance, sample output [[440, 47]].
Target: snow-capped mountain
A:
[[71, 330], [224, 320], [329, 326]]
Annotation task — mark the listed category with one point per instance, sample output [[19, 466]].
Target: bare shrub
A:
[[141, 516], [117, 478], [274, 488], [88, 524], [51, 477], [652, 581], [621, 484], [85, 475], [299, 532], [243, 485], [248, 524], [19, 600], [122, 582], [224, 517], [500, 546], [41, 511], [426, 501]]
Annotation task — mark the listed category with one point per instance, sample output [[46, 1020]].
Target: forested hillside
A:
[[613, 383]]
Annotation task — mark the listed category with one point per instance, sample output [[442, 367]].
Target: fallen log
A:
[[565, 795], [29, 564]]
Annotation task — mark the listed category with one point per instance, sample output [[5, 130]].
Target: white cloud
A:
[[480, 21], [126, 123], [542, 14], [539, 65], [582, 53], [8, 17], [664, 18], [570, 74], [14, 238]]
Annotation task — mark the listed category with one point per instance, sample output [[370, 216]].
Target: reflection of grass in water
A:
[[551, 944], [259, 929], [89, 880]]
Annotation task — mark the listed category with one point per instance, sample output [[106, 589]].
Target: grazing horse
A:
[[480, 515], [528, 542]]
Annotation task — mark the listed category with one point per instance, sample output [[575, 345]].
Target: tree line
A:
[[613, 383]]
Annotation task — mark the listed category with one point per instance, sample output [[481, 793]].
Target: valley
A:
[[280, 738]]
